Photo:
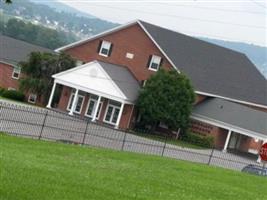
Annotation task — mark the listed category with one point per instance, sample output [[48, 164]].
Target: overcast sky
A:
[[234, 20]]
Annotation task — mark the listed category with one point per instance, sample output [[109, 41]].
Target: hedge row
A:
[[12, 94], [194, 138]]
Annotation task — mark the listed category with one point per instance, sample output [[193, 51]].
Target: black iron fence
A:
[[40, 123]]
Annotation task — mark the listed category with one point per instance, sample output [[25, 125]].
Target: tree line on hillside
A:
[[35, 34], [64, 21]]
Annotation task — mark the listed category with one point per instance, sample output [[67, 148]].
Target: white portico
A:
[[100, 81]]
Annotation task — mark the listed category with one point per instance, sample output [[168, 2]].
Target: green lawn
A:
[[37, 170]]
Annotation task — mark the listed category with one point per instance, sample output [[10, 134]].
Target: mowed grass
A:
[[37, 170]]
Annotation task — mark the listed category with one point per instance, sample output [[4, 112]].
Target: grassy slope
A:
[[33, 169]]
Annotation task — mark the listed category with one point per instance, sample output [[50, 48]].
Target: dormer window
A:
[[16, 72], [154, 63], [105, 48]]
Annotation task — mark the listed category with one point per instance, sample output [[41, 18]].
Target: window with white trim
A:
[[11, 88], [16, 72], [154, 63], [91, 106], [112, 113], [79, 104], [78, 63], [105, 48], [32, 98]]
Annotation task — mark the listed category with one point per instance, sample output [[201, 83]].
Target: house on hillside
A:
[[231, 93], [12, 52]]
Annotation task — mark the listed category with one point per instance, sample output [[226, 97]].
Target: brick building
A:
[[227, 84], [12, 52]]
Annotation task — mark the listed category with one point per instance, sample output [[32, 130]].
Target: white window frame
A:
[[154, 57], [79, 96], [79, 63], [16, 70], [105, 45], [100, 108], [11, 89], [34, 97], [112, 114]]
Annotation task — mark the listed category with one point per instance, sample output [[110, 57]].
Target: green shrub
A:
[[194, 138], [12, 94], [2, 90]]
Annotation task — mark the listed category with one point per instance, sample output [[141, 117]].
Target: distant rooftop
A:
[[13, 51]]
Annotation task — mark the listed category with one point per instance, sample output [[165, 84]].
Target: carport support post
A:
[[96, 108], [227, 141], [74, 102], [51, 95], [119, 116]]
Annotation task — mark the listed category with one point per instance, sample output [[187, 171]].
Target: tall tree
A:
[[167, 97], [39, 69]]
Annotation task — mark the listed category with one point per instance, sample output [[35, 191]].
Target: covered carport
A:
[[246, 128]]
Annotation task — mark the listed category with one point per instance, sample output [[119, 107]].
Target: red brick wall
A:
[[249, 143], [132, 40], [64, 99], [126, 116], [6, 79], [219, 134]]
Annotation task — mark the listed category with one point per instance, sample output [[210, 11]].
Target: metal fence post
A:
[[124, 139], [211, 155], [162, 153], [85, 132], [43, 125], [1, 116]]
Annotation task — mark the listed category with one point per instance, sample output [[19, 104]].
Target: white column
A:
[[51, 95], [73, 105], [96, 108], [119, 116], [227, 141]]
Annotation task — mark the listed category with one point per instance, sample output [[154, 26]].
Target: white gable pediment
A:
[[92, 78]]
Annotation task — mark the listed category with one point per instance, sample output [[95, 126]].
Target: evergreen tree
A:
[[167, 97]]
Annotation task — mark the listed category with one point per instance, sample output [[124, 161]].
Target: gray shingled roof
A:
[[234, 114], [13, 51], [211, 68], [123, 78]]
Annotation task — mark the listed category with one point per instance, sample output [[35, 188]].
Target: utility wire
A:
[[258, 4], [182, 17], [212, 8]]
